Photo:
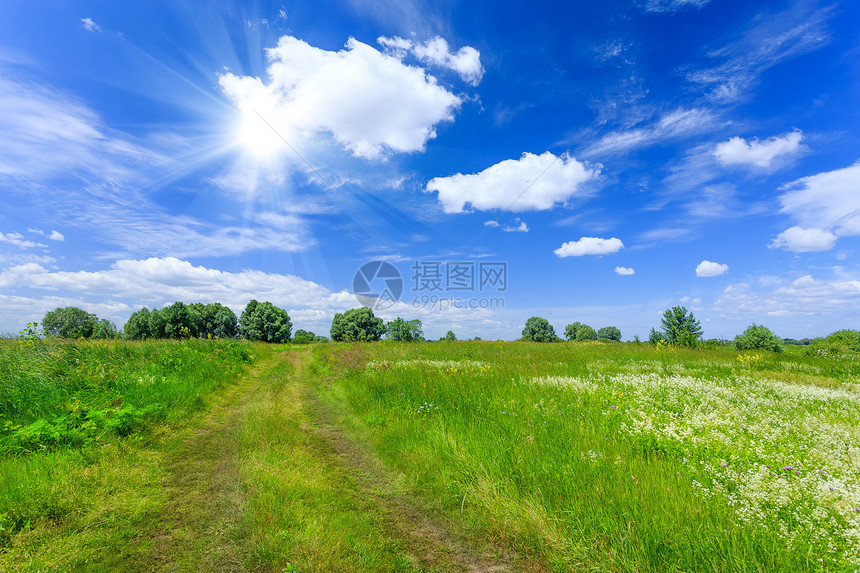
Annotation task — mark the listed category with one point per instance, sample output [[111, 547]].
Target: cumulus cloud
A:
[[530, 183], [800, 240], [90, 26], [624, 271], [829, 200], [157, 281], [710, 269], [18, 240], [56, 236], [736, 151], [589, 246], [369, 102], [465, 62]]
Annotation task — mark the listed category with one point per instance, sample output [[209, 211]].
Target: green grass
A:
[[85, 439], [180, 456], [621, 457]]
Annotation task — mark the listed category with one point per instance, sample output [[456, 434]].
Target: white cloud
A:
[[674, 125], [800, 240], [625, 271], [801, 296], [673, 6], [466, 62], [56, 236], [736, 151], [18, 240], [157, 281], [770, 40], [829, 200], [589, 246], [710, 269], [48, 134], [519, 226], [530, 183], [369, 102], [90, 26]]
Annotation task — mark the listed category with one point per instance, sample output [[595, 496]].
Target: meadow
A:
[[620, 457], [223, 455]]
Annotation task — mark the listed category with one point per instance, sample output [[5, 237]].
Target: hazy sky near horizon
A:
[[613, 158]]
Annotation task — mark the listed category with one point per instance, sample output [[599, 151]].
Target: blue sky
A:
[[618, 157]]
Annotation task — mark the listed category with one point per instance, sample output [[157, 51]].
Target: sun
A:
[[257, 135]]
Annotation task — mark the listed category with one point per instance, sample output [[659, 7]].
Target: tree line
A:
[[263, 321]]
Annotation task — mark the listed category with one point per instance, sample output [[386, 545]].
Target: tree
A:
[[157, 323], [609, 333], [450, 336], [104, 329], [404, 330], [680, 327], [539, 330], [266, 322], [137, 326], [303, 337], [358, 324], [571, 330], [578, 332], [655, 336], [69, 322], [757, 337], [180, 321], [215, 320]]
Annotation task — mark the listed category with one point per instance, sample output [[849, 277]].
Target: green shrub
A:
[[758, 337]]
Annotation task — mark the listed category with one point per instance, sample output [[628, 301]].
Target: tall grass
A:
[[620, 456], [67, 392], [76, 417]]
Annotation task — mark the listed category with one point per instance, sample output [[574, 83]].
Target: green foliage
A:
[[303, 337], [655, 337], [74, 322], [404, 330], [609, 333], [680, 327], [578, 332], [357, 324], [68, 393], [265, 322], [450, 336], [850, 339], [758, 337], [539, 329], [179, 320]]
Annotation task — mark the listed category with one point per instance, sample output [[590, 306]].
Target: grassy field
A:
[[620, 457], [466, 456]]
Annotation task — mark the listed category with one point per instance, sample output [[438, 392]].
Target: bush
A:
[[850, 339], [758, 337], [405, 330]]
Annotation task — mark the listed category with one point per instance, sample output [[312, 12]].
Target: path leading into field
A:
[[206, 525]]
